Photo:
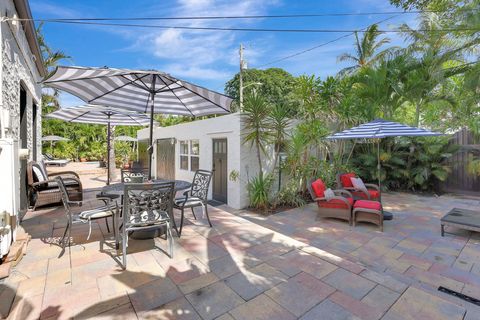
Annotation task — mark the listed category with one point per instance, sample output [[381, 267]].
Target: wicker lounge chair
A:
[[372, 192], [339, 206], [51, 161], [43, 189], [368, 211]]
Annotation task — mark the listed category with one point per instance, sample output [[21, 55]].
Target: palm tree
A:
[[280, 121], [258, 130], [51, 59], [367, 50]]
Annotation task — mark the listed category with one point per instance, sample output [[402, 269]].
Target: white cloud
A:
[[197, 72], [197, 54]]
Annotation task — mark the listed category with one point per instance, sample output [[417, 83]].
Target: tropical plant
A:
[[367, 50], [259, 190], [258, 131]]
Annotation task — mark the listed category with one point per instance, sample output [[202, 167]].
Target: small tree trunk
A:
[[113, 171], [259, 158]]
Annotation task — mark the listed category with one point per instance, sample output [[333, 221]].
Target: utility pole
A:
[[241, 79]]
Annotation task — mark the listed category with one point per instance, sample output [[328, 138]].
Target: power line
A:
[[280, 16], [250, 29], [320, 45]]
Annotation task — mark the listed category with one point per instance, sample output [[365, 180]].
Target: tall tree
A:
[[257, 130], [274, 84], [367, 49]]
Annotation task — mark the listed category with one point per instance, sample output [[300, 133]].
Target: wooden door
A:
[[166, 159], [219, 191], [23, 144]]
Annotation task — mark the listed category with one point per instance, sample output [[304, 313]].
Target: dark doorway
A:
[[166, 158], [219, 191], [34, 131], [23, 143]]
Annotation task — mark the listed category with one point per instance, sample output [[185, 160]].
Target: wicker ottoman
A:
[[368, 211]]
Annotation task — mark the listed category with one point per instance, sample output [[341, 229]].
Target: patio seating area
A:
[[284, 266]]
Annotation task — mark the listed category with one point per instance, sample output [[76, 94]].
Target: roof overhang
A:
[[23, 10]]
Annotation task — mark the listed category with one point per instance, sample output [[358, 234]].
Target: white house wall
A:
[[17, 68], [205, 131], [241, 157]]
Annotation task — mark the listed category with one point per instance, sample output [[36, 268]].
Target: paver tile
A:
[[154, 294], [300, 293], [251, 282], [179, 309], [261, 308], [418, 304], [349, 283], [328, 310], [354, 306], [198, 282], [381, 298], [385, 280], [214, 300]]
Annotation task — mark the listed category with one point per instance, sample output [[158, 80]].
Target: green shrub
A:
[[259, 189]]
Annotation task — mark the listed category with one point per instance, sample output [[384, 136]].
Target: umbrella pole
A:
[[108, 150], [378, 165], [150, 147]]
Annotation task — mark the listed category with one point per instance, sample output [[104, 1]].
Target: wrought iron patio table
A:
[[116, 190]]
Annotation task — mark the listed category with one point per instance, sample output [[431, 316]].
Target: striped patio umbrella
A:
[[378, 129], [93, 114], [54, 138], [147, 91]]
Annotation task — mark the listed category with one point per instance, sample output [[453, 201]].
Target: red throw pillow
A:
[[319, 188], [346, 181]]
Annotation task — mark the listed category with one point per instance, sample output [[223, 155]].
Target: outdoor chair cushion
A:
[[335, 204], [368, 204], [374, 194], [358, 184], [192, 201], [346, 179], [98, 213], [329, 194], [38, 175], [147, 218], [66, 182], [319, 188]]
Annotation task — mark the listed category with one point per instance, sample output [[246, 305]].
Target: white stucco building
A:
[[210, 144], [21, 69]]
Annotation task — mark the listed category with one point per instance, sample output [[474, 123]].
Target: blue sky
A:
[[208, 58]]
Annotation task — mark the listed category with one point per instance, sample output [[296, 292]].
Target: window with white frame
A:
[[194, 155], [184, 155], [189, 155]]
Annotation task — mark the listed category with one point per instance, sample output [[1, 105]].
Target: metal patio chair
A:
[[134, 175], [196, 196], [87, 216], [146, 207]]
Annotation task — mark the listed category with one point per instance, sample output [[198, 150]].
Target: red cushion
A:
[[319, 188], [374, 194], [335, 203], [368, 204], [346, 181]]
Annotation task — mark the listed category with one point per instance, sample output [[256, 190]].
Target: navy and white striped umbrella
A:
[[147, 91], [380, 128], [93, 114]]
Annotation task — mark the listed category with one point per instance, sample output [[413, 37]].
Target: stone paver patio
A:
[[286, 266]]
